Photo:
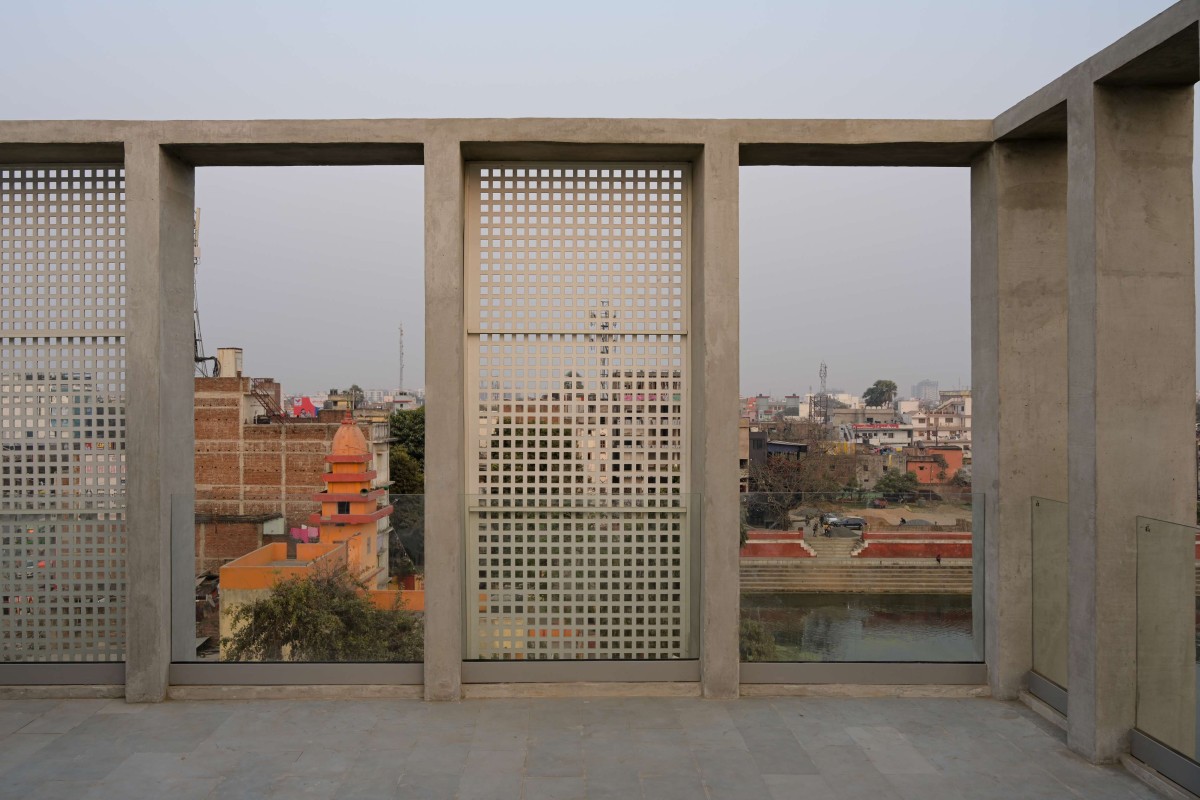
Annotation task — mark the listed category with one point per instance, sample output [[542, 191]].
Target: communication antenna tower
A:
[[824, 395], [198, 356], [401, 387]]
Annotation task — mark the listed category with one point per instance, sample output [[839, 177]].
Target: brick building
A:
[[253, 464]]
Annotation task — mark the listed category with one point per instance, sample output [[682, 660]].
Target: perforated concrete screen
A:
[[577, 323], [62, 413]]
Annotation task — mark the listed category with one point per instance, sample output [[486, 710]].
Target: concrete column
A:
[[714, 337], [160, 199], [1132, 372], [445, 419], [1019, 377]]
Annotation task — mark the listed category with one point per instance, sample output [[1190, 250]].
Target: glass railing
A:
[[64, 585], [1048, 526], [582, 577], [857, 577], [275, 581], [1167, 634]]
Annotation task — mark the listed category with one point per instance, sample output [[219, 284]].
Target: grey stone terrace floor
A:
[[654, 748]]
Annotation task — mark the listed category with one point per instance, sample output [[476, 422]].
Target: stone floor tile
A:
[[133, 787], [119, 706], [14, 721], [371, 776], [428, 786], [889, 750], [58, 790], [554, 788], [476, 785], [797, 787], [556, 757], [28, 706], [17, 749], [65, 716], [673, 787]]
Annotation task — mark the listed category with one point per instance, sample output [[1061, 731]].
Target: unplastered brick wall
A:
[[218, 543], [256, 468]]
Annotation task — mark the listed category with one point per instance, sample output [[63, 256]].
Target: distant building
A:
[[879, 434], [926, 391], [752, 449], [949, 422], [249, 462], [933, 465], [788, 449]]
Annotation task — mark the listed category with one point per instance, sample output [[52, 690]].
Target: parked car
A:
[[857, 523], [879, 502]]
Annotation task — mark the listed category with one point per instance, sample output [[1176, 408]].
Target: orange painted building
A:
[[354, 524], [926, 467]]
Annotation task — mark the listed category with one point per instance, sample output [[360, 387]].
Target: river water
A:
[[866, 627]]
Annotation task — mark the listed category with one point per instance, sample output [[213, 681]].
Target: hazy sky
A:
[[866, 269]]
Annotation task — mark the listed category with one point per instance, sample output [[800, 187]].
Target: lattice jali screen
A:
[[577, 325], [62, 413]]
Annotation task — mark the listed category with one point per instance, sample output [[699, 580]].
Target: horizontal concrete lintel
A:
[[287, 154], [26, 154], [870, 154], [579, 151], [295, 674], [107, 673], [402, 141], [579, 671], [863, 673]]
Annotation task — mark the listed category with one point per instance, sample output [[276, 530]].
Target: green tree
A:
[[326, 616], [408, 429], [357, 395], [901, 483], [406, 543], [755, 642], [406, 473], [881, 393]]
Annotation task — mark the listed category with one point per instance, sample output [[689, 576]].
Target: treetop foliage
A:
[[326, 616]]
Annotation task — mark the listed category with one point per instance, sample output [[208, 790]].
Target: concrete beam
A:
[[302, 154], [1132, 379], [390, 141], [445, 419], [159, 202], [1161, 51], [878, 154], [714, 351], [1019, 377]]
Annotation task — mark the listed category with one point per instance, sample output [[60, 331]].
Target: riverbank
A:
[[856, 576]]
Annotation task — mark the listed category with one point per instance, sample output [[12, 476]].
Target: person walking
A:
[[938, 558]]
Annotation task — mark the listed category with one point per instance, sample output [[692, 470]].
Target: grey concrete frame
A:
[[1118, 122]]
